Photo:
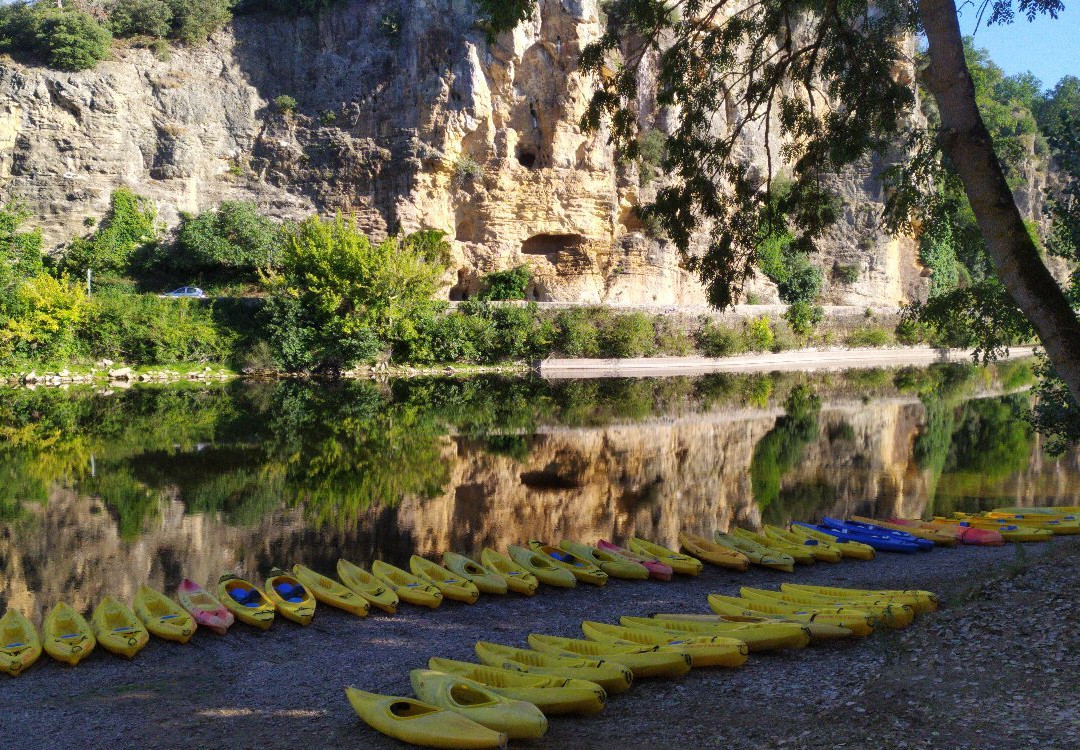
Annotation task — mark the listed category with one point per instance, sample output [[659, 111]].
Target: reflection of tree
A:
[[780, 449], [990, 442]]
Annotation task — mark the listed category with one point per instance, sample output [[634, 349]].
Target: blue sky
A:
[[1050, 49]]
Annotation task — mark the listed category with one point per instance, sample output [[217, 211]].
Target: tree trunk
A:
[[967, 143]]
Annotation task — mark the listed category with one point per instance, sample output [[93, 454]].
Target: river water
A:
[[103, 491]]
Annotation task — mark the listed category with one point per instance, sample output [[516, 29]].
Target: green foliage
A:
[[232, 242], [466, 169], [628, 335], [510, 284], [578, 335], [759, 334], [141, 18], [847, 273], [70, 39], [803, 317], [195, 20], [783, 260], [1056, 414], [285, 104], [981, 315], [937, 251], [20, 251], [339, 298], [650, 156], [129, 227], [869, 335], [718, 340], [502, 15], [39, 322], [782, 448], [910, 332]]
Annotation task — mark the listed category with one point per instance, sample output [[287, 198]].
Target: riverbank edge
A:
[[809, 359]]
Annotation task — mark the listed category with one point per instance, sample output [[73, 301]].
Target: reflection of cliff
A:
[[650, 478]]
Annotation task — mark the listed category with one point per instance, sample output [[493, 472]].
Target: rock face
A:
[[408, 119]]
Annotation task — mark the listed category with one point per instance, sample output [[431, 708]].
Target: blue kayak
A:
[[867, 528], [879, 542]]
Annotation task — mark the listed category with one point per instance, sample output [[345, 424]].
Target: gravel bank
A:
[[283, 689]]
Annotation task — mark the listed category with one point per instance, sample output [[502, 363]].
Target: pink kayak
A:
[[963, 534], [207, 611], [656, 569]]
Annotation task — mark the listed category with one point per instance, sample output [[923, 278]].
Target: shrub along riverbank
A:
[[320, 297]]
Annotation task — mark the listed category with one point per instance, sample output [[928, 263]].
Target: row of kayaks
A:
[[510, 691]]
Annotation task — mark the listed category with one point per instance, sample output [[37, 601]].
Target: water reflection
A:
[[101, 492]]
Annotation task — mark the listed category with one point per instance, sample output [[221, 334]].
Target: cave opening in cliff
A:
[[526, 158], [550, 244]]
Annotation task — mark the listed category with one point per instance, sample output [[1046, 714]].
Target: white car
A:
[[186, 292]]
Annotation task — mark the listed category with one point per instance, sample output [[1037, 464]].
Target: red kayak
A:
[[656, 569], [963, 534]]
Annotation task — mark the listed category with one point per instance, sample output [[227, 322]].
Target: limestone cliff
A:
[[407, 118]]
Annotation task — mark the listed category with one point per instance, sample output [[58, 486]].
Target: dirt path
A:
[[1013, 669], [797, 359]]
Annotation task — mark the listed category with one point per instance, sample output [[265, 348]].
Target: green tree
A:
[[195, 20], [130, 226], [141, 18], [339, 298], [71, 39], [234, 240]]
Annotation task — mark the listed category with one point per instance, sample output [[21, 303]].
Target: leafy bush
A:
[[195, 20], [510, 284], [70, 39], [847, 273], [718, 340], [143, 329], [869, 335], [39, 320], [802, 282], [130, 226], [285, 103], [651, 148], [340, 298], [234, 241], [466, 169], [759, 334], [671, 337], [578, 335], [803, 317], [911, 332], [629, 335], [140, 18]]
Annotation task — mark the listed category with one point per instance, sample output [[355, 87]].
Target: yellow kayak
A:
[[374, 591], [801, 556], [517, 578], [757, 637], [939, 538], [117, 628], [681, 564], [644, 661], [613, 676], [246, 601], [859, 624], [406, 586], [20, 645], [920, 601], [1009, 532], [487, 581], [330, 592], [1064, 512], [819, 550], [892, 616], [757, 554], [818, 631], [551, 694], [704, 651], [853, 550], [1055, 525], [711, 552], [452, 586], [66, 636], [163, 617], [290, 597], [410, 720], [615, 566], [582, 569], [542, 567], [518, 720]]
